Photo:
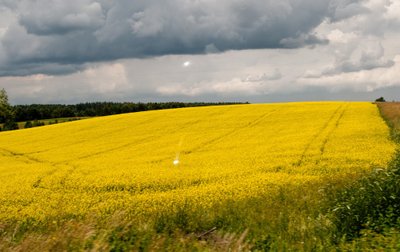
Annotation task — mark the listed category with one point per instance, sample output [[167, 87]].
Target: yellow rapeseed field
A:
[[152, 163]]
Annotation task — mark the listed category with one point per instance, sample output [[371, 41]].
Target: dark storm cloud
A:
[[76, 32], [48, 68], [57, 18], [303, 40]]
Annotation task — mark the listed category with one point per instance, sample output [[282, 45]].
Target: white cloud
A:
[[346, 9], [269, 76], [233, 86], [365, 80], [338, 36], [357, 42], [393, 11], [106, 78], [353, 58]]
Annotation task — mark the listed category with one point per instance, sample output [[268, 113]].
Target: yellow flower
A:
[[126, 162]]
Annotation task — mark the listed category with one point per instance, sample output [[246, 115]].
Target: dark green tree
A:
[[28, 124], [37, 123], [380, 99], [7, 115]]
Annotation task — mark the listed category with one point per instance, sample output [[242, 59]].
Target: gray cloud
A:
[[355, 58], [77, 32], [47, 17], [302, 40], [8, 4], [359, 81], [343, 9], [270, 76], [47, 68]]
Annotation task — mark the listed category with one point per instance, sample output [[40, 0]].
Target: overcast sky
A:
[[57, 51]]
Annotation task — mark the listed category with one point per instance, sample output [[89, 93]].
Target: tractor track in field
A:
[[330, 133], [108, 134], [230, 133], [257, 121], [142, 140], [318, 134], [71, 168], [30, 160], [138, 142]]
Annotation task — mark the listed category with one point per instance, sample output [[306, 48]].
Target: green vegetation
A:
[[372, 202], [7, 114], [37, 123], [51, 111], [380, 99]]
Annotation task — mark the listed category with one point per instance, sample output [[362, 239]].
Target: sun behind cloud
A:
[[186, 64]]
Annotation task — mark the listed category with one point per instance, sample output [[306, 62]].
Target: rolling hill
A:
[[232, 168]]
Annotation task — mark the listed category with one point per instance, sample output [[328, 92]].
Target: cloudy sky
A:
[[57, 51]]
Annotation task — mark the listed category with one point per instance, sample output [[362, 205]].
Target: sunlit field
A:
[[181, 171]]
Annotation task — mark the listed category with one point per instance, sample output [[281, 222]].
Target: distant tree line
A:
[[51, 111]]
